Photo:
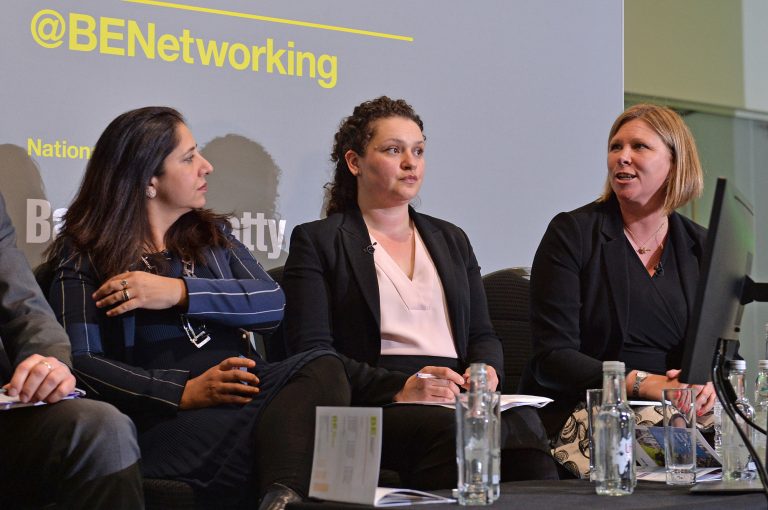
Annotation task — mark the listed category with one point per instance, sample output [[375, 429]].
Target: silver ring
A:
[[126, 296], [124, 283], [43, 362]]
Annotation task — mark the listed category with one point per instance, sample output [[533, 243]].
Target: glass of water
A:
[[679, 408]]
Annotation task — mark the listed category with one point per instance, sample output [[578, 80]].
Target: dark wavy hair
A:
[[354, 134], [108, 220]]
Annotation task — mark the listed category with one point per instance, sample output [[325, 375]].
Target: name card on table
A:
[[347, 456]]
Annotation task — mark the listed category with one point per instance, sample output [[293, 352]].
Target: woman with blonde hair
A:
[[616, 278]]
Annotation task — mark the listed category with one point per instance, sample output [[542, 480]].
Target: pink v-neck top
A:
[[414, 313]]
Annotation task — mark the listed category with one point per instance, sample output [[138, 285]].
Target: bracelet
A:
[[639, 378]]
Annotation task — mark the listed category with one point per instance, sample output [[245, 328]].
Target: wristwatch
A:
[[639, 378]]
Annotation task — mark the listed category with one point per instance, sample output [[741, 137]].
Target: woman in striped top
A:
[[158, 297]]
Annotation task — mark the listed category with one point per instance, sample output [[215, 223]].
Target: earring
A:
[[150, 192]]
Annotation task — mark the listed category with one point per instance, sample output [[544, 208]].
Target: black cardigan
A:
[[580, 300]]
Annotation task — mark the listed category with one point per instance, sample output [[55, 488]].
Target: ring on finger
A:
[[48, 365], [124, 283], [126, 296]]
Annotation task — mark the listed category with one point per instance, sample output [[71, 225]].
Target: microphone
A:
[[370, 248], [658, 270]]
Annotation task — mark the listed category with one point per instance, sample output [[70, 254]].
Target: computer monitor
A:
[[724, 285]]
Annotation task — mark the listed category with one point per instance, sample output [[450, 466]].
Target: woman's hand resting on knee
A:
[[436, 384], [221, 384]]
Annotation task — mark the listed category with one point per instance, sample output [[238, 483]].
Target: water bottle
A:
[[474, 439], [614, 436], [735, 456], [761, 405]]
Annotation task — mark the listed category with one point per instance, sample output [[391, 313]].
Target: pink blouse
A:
[[414, 313]]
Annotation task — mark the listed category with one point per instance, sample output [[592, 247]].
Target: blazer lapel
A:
[[434, 241], [357, 241], [687, 259], [615, 262]]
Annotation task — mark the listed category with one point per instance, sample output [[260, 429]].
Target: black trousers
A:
[[76, 453], [419, 443], [285, 435]]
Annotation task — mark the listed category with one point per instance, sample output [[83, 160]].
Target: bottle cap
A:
[[478, 368], [762, 364], [737, 364], [613, 366]]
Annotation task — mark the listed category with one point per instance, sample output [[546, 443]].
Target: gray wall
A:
[[708, 58], [517, 98]]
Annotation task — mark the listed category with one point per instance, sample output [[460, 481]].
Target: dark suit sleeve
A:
[[555, 310], [99, 349], [27, 325], [307, 322]]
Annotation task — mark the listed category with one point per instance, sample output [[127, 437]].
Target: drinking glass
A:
[[679, 410]]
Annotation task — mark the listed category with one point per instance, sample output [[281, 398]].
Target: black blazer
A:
[[580, 300], [332, 296]]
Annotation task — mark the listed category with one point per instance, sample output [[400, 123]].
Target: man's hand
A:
[[38, 378]]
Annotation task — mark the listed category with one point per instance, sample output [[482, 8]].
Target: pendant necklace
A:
[[641, 247], [198, 337]]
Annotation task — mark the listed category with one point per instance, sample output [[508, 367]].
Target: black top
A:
[[162, 342], [658, 315], [581, 299]]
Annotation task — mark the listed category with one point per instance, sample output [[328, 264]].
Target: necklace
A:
[[188, 267], [198, 338], [641, 247]]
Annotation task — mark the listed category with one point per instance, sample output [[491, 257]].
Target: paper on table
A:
[[507, 402], [7, 402], [345, 466], [386, 496], [659, 474], [644, 403]]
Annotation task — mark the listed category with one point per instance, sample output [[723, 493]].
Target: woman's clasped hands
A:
[[654, 384], [705, 393], [438, 384]]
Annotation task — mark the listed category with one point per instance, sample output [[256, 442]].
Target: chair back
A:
[[274, 344], [509, 307], [44, 274]]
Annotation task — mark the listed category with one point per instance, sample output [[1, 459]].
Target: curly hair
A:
[[354, 134], [686, 178]]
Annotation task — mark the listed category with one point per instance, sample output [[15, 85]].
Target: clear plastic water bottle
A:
[[474, 440], [761, 405], [735, 456], [478, 383], [614, 436]]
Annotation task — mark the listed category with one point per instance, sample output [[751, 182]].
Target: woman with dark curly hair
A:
[[400, 292], [156, 296]]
